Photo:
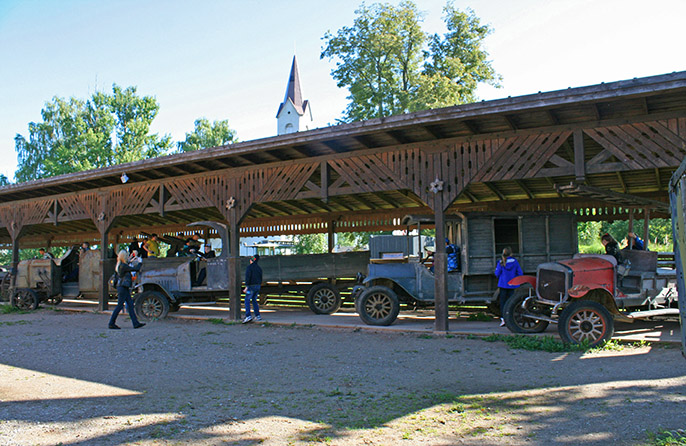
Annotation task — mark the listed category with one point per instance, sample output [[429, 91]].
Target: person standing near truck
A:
[[253, 281], [507, 269]]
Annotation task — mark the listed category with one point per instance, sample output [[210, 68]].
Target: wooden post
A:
[[579, 156], [15, 265], [234, 268], [104, 286], [440, 270], [646, 228], [631, 224], [331, 235]]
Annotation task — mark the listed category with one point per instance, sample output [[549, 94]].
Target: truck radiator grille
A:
[[551, 284]]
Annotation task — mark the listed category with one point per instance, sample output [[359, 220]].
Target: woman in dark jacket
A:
[[123, 270], [612, 247]]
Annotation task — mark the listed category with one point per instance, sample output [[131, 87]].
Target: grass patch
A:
[[554, 345], [536, 343], [8, 323], [9, 309], [667, 438]]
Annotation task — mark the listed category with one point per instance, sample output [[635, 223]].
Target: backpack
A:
[[114, 280]]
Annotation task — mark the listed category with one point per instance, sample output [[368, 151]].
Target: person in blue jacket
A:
[[634, 242], [253, 281], [507, 269]]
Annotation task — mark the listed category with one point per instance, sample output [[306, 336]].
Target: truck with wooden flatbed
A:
[[480, 238]]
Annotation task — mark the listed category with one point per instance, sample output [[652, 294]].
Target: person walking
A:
[[253, 281], [507, 269], [124, 270]]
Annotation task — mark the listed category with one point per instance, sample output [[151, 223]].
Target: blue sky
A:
[[230, 59]]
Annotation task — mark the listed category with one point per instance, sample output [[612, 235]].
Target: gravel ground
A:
[[66, 379]]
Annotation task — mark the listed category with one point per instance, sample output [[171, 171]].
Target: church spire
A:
[[293, 107]]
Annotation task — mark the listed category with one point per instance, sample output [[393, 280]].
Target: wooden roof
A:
[[623, 137]]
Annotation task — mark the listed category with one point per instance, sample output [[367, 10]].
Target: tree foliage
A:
[[206, 134], [391, 66], [78, 135]]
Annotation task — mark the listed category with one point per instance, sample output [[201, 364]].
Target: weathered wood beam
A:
[[554, 186], [552, 116], [510, 120], [579, 155], [657, 179], [495, 190], [470, 196], [362, 140], [471, 126], [621, 181], [397, 137], [644, 105], [595, 109], [434, 131], [523, 187]]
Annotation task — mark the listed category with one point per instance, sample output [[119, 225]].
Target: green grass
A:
[[553, 345], [667, 438], [536, 343], [9, 309]]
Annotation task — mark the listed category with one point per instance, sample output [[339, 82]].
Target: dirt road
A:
[[66, 379]]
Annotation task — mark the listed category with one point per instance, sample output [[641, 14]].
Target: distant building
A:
[[293, 107]]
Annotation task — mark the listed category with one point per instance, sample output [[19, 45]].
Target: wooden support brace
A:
[[440, 269]]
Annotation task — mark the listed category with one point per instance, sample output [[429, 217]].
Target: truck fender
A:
[[154, 287], [598, 293], [385, 281], [521, 280]]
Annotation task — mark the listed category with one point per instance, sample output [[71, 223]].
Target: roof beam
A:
[[495, 190], [511, 122], [621, 181], [471, 126], [434, 131], [523, 187], [657, 179]]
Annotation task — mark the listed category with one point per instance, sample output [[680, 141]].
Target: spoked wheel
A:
[[5, 284], [323, 299], [515, 311], [586, 321], [25, 299], [151, 305], [378, 305]]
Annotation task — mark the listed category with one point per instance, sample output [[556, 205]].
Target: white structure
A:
[[293, 107]]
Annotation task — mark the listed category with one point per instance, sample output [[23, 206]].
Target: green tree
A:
[[4, 181], [206, 134], [310, 244], [78, 135], [390, 66]]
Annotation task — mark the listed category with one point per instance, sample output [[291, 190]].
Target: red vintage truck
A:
[[586, 294]]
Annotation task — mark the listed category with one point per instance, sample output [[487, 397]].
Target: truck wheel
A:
[[323, 299], [586, 321], [25, 299], [378, 305], [514, 318], [151, 305]]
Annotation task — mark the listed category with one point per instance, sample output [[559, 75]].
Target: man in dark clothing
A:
[[253, 281]]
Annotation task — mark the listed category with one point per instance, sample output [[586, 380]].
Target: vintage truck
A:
[[534, 238], [76, 273], [163, 284], [584, 295]]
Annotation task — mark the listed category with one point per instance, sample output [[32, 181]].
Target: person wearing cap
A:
[[452, 252], [253, 281]]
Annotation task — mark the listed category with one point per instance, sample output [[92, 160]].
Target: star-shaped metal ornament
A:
[[436, 186], [230, 203]]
